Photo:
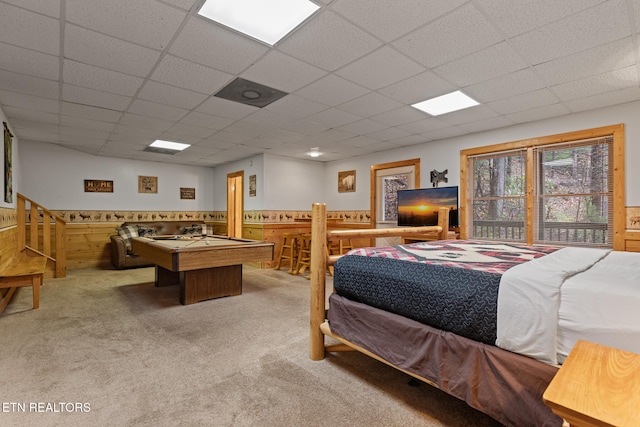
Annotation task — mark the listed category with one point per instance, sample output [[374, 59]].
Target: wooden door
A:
[[235, 203]]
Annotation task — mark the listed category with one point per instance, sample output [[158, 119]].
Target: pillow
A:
[[127, 232], [144, 230]]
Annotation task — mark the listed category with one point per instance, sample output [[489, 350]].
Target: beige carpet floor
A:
[[107, 348]]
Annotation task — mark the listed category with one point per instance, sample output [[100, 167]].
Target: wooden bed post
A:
[[318, 274], [443, 223]]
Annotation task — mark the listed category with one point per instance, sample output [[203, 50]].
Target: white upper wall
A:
[[445, 154], [53, 176]]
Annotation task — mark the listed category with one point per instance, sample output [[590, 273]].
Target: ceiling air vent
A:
[[250, 93]]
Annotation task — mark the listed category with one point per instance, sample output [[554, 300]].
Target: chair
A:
[[290, 243], [304, 254]]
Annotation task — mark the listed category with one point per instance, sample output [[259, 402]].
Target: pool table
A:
[[205, 267]]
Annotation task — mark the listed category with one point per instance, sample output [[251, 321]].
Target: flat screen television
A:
[[420, 206]]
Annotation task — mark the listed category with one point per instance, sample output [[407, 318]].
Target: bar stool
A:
[[304, 254], [290, 242]]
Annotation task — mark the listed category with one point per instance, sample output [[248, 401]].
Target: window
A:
[[563, 190]]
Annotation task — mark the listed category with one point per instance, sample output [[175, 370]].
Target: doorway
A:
[[386, 180], [235, 203]]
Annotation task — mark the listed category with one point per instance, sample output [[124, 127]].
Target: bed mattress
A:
[[451, 285]]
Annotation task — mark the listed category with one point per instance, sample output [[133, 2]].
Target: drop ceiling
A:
[[108, 77]]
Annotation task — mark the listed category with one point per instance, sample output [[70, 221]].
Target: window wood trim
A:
[[617, 131]]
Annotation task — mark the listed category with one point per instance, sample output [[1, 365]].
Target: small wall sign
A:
[[187, 193], [98, 186]]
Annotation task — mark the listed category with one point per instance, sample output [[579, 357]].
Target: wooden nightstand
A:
[[597, 386]]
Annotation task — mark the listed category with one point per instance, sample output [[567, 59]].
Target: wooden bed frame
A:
[[320, 261], [508, 379]]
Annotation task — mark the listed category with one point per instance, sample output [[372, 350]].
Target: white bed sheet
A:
[[602, 305]]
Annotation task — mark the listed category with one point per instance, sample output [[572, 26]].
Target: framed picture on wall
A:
[[187, 193], [147, 184], [98, 186], [8, 167], [252, 186], [347, 181]]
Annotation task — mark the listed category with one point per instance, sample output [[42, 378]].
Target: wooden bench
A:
[[24, 268]]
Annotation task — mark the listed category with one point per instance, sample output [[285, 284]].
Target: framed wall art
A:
[[147, 184], [347, 181], [187, 193], [252, 186], [8, 166]]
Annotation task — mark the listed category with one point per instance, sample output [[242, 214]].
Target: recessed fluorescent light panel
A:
[[448, 103], [169, 145], [267, 21]]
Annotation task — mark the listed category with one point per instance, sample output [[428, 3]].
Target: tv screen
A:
[[420, 207]]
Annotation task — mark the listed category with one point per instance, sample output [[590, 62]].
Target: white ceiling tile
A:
[[363, 126], [78, 74], [380, 68], [29, 62], [208, 121], [182, 4], [615, 55], [282, 72], [427, 124], [619, 96], [369, 105], [306, 127], [156, 111], [515, 18], [29, 102], [539, 113], [334, 118], [144, 22], [328, 42], [409, 140], [28, 29], [71, 133], [82, 95], [453, 36], [525, 101], [19, 83], [468, 115], [133, 124], [575, 33], [190, 130], [389, 20], [388, 134], [360, 141], [512, 84], [32, 115], [443, 133], [418, 88], [108, 52], [189, 75], [171, 95], [332, 90], [86, 124], [225, 108], [608, 82], [486, 124], [295, 106], [214, 46], [46, 7], [268, 119], [399, 116], [33, 134], [179, 137], [491, 62], [88, 112]]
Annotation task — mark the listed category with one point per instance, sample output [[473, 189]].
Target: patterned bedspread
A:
[[451, 285]]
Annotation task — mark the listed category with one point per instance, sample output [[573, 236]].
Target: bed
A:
[[495, 328]]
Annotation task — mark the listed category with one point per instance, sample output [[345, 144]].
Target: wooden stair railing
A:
[[41, 241]]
